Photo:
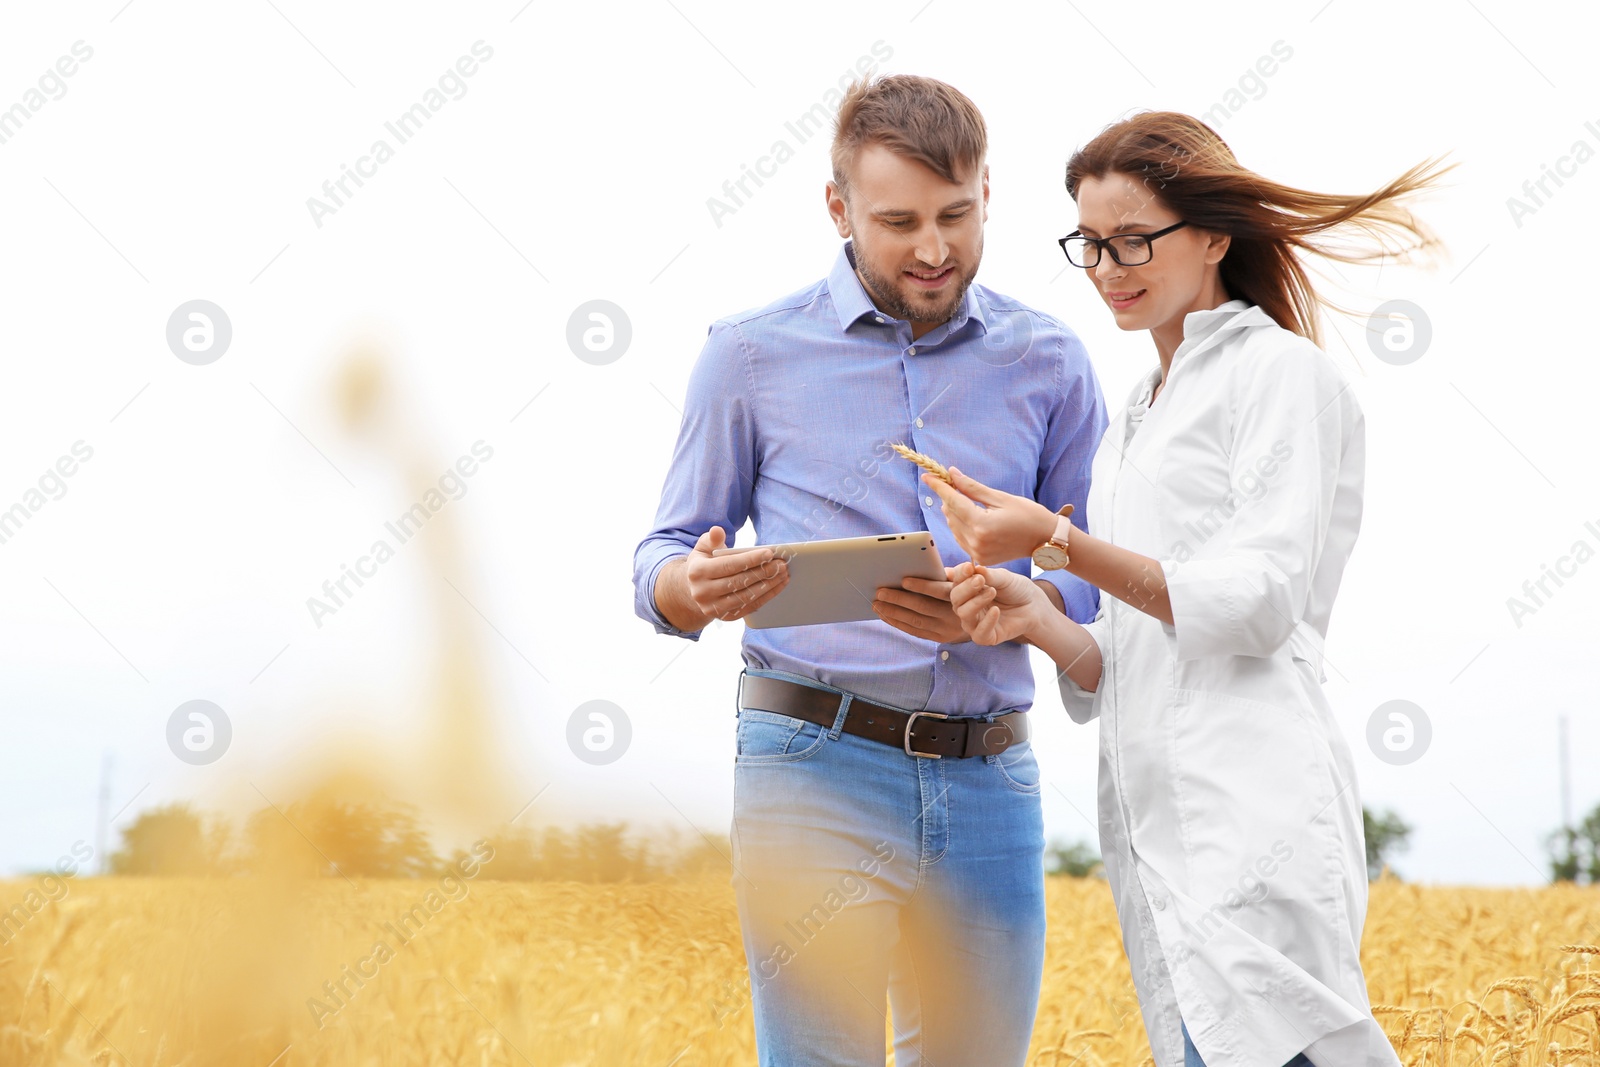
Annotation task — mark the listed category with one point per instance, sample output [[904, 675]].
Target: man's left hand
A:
[[922, 609]]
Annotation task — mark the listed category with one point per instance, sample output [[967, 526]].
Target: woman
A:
[[1224, 503]]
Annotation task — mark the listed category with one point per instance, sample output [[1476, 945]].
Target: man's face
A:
[[918, 239]]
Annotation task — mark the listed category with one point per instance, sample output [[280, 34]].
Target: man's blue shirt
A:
[[789, 415]]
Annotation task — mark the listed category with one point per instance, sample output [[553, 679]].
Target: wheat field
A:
[[159, 972]]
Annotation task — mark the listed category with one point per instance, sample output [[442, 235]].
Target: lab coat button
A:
[[1158, 903]]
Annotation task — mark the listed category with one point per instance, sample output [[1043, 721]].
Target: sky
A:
[[380, 339]]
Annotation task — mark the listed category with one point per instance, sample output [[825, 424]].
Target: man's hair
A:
[[915, 117]]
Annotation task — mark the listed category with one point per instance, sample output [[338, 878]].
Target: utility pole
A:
[[1566, 775], [101, 824]]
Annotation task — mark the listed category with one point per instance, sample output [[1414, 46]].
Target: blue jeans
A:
[[864, 874], [1191, 1056]]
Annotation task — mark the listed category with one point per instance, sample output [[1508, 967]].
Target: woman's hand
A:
[[996, 605], [1005, 528]]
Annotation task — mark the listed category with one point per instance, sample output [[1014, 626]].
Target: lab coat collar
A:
[[1203, 329], [1197, 323]]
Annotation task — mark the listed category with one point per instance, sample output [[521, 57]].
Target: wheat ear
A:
[[927, 463]]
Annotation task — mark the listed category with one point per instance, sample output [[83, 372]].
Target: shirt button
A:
[[945, 654], [878, 318], [1158, 903], [919, 424], [913, 350], [928, 500]]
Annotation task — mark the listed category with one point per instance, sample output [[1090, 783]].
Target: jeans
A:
[[863, 874], [1191, 1056]]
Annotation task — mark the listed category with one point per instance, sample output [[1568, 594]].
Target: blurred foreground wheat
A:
[[154, 973]]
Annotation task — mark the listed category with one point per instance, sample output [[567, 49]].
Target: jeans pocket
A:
[[768, 737], [1018, 768]]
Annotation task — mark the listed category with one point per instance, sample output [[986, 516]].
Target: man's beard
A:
[[888, 296]]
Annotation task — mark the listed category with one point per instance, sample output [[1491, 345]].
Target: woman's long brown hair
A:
[[1191, 170]]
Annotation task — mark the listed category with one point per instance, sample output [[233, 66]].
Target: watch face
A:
[[1050, 558]]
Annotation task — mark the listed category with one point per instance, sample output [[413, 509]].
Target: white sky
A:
[[576, 167]]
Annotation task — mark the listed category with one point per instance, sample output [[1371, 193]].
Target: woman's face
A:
[[1181, 274]]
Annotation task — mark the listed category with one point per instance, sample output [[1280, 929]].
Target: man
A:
[[863, 864]]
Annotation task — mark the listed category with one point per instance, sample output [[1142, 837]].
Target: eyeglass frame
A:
[[1103, 245]]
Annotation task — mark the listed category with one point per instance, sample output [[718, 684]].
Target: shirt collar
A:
[[851, 301], [1198, 324]]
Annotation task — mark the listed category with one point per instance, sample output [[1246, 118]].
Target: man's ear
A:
[[986, 192], [838, 208]]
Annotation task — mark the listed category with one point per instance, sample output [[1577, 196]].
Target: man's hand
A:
[[732, 586], [995, 605], [1005, 528], [921, 609]]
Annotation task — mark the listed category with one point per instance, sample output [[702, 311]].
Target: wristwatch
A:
[[1052, 555]]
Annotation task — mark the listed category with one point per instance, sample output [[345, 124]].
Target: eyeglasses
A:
[[1128, 249]]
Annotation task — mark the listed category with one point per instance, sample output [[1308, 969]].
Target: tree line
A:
[[332, 837], [327, 836]]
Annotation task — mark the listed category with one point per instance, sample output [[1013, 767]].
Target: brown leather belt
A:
[[928, 734]]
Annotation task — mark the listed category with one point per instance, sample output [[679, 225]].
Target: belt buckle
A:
[[906, 741]]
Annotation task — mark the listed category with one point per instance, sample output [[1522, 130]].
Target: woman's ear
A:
[[1217, 246]]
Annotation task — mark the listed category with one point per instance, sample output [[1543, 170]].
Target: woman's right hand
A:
[[990, 525], [994, 605]]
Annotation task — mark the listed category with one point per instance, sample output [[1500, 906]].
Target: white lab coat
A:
[[1230, 824]]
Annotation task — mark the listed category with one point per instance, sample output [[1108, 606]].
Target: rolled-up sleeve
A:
[[1296, 426], [1072, 436], [712, 475], [1081, 704]]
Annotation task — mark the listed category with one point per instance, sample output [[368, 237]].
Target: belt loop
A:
[[838, 720], [978, 740], [738, 701]]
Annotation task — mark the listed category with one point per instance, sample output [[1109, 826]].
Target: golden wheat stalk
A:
[[927, 463]]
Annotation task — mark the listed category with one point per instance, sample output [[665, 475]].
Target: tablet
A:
[[835, 580]]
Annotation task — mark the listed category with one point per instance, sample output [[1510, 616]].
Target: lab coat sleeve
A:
[[1295, 424], [1080, 703]]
